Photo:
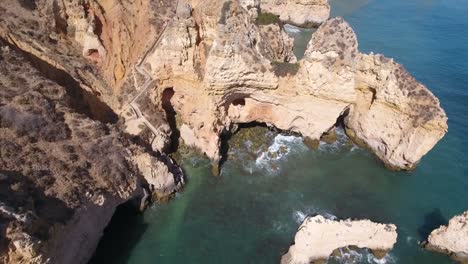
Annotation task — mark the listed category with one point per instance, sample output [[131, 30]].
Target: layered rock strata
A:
[[318, 237], [214, 63], [215, 67], [196, 68], [451, 239]]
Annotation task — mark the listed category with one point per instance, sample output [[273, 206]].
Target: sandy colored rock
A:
[[318, 237], [227, 79], [306, 13], [162, 182], [213, 66], [452, 239], [224, 69]]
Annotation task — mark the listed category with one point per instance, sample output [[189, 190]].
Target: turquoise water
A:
[[251, 213]]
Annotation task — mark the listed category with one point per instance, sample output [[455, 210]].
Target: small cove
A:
[[251, 213]]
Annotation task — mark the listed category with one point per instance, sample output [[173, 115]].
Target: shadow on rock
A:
[[432, 220], [120, 236]]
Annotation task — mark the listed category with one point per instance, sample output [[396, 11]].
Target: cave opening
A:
[[171, 117], [254, 131], [127, 224], [331, 135], [340, 121], [374, 94], [239, 101]]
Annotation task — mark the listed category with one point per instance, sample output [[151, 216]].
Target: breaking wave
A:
[[347, 256], [299, 216], [292, 29], [342, 143], [282, 146]]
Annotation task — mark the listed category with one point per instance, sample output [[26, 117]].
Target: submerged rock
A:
[[318, 237], [451, 239]]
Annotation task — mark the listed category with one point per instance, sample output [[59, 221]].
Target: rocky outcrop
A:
[[62, 173], [318, 237], [94, 45], [162, 182], [215, 67], [215, 64], [305, 13], [109, 32], [451, 239], [197, 67]]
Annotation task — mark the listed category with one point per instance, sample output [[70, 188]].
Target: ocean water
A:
[[251, 213]]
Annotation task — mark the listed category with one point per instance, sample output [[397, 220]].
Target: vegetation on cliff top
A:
[[267, 19], [282, 69]]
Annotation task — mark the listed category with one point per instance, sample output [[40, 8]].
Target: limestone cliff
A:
[[194, 68], [62, 174], [214, 63]]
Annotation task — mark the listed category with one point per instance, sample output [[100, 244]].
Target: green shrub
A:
[[285, 68], [267, 19]]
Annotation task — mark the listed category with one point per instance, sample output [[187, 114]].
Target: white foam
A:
[[292, 29], [329, 216], [341, 143], [282, 146], [349, 256], [362, 256], [389, 258], [299, 216]]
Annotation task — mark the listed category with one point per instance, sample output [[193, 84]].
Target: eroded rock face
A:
[[214, 66], [318, 237], [162, 182], [305, 13], [62, 174], [214, 62], [451, 239], [224, 69]]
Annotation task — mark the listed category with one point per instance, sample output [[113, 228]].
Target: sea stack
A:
[[451, 239], [318, 237]]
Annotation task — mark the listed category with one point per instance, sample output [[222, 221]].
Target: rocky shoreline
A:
[[97, 93]]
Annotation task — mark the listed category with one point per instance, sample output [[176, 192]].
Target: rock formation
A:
[[160, 69], [215, 64], [451, 239], [305, 13], [318, 237], [63, 174]]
